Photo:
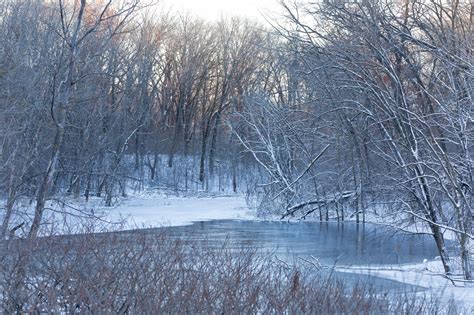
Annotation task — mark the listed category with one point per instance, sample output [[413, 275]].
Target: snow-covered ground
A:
[[429, 275], [154, 209]]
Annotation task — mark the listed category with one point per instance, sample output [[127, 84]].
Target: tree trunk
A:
[[48, 178], [137, 151], [202, 163], [177, 131], [441, 246], [212, 150], [8, 214], [465, 259]]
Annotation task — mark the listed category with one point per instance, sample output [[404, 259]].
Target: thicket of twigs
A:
[[151, 272]]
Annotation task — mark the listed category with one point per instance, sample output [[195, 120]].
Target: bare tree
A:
[[394, 63]]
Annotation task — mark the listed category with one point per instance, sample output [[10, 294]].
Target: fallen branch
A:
[[293, 209]]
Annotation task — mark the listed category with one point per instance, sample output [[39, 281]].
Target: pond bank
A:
[[428, 274]]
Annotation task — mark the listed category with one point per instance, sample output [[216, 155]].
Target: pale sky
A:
[[214, 9]]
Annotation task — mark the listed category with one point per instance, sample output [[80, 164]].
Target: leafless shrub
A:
[[150, 271]]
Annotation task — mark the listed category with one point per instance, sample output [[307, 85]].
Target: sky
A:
[[214, 9]]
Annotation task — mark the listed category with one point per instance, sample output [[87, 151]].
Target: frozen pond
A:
[[333, 243]]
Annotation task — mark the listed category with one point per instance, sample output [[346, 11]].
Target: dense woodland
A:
[[336, 110]]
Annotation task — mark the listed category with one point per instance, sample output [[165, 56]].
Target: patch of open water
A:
[[332, 243]]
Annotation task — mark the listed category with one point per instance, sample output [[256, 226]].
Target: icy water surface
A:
[[333, 243]]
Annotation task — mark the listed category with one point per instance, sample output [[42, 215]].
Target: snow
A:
[[428, 274], [154, 210]]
